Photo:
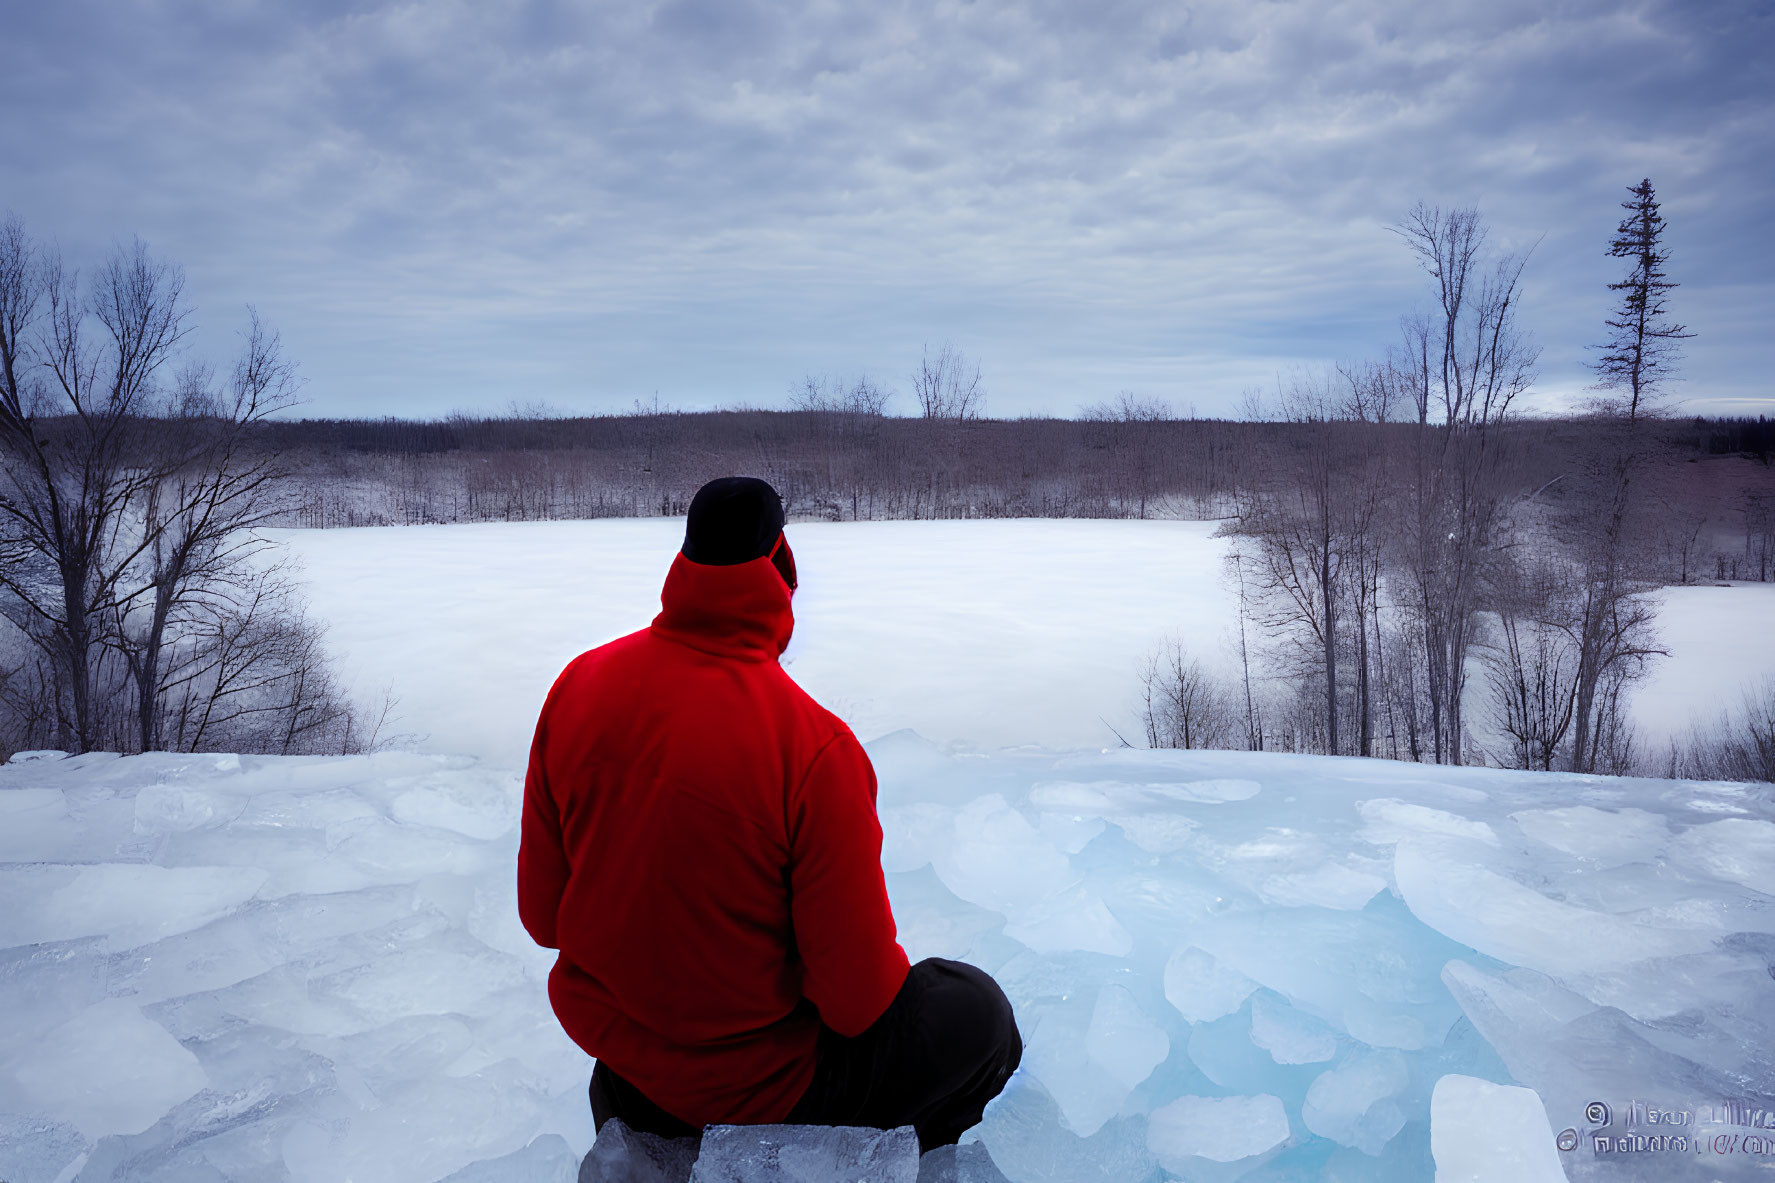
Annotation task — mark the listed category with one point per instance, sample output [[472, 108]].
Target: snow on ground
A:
[[1225, 965], [1721, 637], [990, 633], [993, 633]]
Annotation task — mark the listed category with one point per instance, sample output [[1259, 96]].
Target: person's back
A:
[[700, 842], [689, 772]]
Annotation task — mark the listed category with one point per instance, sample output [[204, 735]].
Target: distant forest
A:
[[1713, 479]]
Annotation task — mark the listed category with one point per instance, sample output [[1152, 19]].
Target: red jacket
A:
[[700, 842]]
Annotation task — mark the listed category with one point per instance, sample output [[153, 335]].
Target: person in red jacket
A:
[[700, 842]]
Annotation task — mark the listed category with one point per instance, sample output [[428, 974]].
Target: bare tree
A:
[[70, 398], [1126, 428], [945, 387], [128, 507], [1532, 678], [248, 672], [832, 396], [1758, 510], [1253, 720], [1606, 605], [1313, 518], [1464, 364], [201, 517], [1739, 745], [1183, 705], [1128, 407]]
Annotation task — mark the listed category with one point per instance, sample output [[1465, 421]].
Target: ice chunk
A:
[[1098, 798], [806, 1154], [998, 860], [931, 922], [1605, 837], [1482, 1132], [108, 1070], [1373, 972], [1288, 1035], [1201, 988], [622, 1155], [1054, 1052], [1089, 1061], [37, 1150], [1122, 1039], [1735, 850], [909, 767], [37, 756], [966, 1163], [478, 805], [1327, 885], [1220, 1129], [911, 835], [343, 851], [1357, 1103], [1112, 798], [176, 808], [33, 823], [1157, 833], [415, 1047], [548, 1159], [127, 904], [1075, 920], [1209, 792], [1571, 1051], [1389, 821], [1027, 1140], [1070, 832], [1224, 1053], [465, 1118], [421, 968], [1504, 919]]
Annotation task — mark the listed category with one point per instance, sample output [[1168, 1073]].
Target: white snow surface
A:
[[989, 633], [311, 968], [958, 630]]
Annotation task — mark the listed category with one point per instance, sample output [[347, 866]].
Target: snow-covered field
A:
[[991, 633], [1226, 965], [988, 633]]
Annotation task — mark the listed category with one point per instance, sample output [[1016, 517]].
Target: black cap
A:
[[733, 519]]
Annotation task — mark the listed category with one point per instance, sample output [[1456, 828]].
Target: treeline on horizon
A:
[[1714, 474]]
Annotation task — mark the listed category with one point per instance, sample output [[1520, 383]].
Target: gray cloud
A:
[[459, 204]]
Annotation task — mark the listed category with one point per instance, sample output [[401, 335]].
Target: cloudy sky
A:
[[462, 205]]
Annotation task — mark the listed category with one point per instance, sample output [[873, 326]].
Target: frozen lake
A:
[[988, 633]]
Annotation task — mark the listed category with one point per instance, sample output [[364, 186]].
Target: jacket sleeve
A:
[[542, 861], [844, 927]]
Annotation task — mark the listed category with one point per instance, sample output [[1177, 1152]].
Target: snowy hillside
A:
[[1225, 966]]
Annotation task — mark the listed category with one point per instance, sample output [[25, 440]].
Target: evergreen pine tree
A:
[[1642, 348]]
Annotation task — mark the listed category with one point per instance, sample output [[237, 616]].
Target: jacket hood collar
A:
[[740, 610]]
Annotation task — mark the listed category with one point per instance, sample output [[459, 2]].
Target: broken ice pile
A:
[[781, 1154], [1236, 965], [1225, 966]]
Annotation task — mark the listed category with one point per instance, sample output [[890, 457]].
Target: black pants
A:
[[943, 1048]]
